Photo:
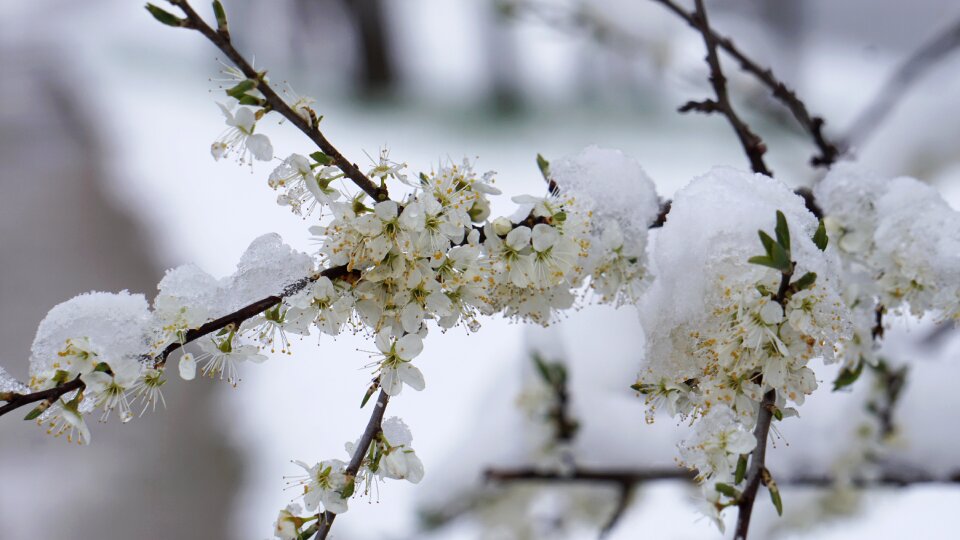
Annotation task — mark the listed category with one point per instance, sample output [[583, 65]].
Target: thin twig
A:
[[752, 144], [221, 39], [634, 477], [905, 76], [757, 457], [813, 125], [373, 427]]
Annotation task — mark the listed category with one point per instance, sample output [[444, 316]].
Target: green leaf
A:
[[636, 387], [806, 281], [165, 17], [544, 167], [32, 415], [777, 502], [767, 242], [221, 15], [347, 490], [780, 258], [820, 237], [848, 376], [366, 397], [783, 232], [768, 481], [741, 469], [542, 369], [728, 490], [321, 158], [241, 88], [763, 260], [777, 413], [250, 100]]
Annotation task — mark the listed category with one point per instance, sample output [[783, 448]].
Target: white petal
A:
[[544, 236], [259, 145], [390, 382], [409, 346], [188, 367], [244, 119], [519, 238], [412, 376], [383, 341], [386, 210], [414, 468]]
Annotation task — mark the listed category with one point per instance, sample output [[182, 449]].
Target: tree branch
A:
[[757, 457], [752, 144], [236, 318], [639, 476], [372, 429], [221, 39], [812, 125]]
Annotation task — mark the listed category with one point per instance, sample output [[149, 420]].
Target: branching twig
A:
[[906, 74], [752, 144], [813, 125], [221, 39]]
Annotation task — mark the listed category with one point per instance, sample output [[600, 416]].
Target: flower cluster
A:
[[900, 246], [733, 328]]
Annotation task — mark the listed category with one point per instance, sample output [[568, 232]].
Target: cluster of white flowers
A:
[[326, 483], [385, 268], [900, 245], [725, 328]]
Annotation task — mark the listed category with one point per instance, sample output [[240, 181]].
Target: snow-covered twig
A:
[[235, 318]]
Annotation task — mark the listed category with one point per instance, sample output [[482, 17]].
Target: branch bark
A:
[[235, 318], [221, 39], [752, 144], [372, 429], [812, 125]]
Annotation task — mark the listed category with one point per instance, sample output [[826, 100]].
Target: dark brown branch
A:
[[371, 431], [813, 125], [634, 477], [236, 318], [221, 39], [50, 395], [905, 76], [757, 457], [752, 144]]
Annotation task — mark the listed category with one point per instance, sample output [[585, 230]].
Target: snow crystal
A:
[[115, 325], [9, 384]]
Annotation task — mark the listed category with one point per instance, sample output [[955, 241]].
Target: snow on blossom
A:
[[9, 384], [900, 234], [92, 328], [719, 336]]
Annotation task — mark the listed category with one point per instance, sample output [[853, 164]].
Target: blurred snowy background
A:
[[106, 179]]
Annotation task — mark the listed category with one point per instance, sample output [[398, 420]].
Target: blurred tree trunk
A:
[[376, 71], [167, 475]]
